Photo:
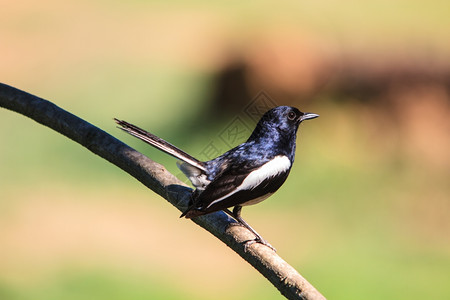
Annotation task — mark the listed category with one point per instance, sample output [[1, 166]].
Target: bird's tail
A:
[[160, 144], [192, 213]]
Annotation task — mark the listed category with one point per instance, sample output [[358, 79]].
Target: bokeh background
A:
[[365, 212]]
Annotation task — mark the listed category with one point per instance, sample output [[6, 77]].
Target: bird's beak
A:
[[308, 116]]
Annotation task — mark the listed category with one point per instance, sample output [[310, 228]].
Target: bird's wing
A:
[[241, 185], [160, 144]]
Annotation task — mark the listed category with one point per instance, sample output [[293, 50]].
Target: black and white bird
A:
[[244, 175]]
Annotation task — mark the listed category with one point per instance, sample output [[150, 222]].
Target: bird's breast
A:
[[257, 200]]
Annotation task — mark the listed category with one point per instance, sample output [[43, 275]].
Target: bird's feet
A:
[[257, 239]]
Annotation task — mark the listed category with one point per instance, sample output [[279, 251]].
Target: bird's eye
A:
[[291, 115]]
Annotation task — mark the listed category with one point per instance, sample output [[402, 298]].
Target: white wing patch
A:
[[277, 165]]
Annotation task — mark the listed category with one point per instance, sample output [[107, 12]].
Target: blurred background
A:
[[365, 212]]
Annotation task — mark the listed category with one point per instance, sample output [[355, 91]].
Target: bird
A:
[[245, 175]]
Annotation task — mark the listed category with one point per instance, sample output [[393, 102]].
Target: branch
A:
[[153, 175]]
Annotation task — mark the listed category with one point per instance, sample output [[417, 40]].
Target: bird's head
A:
[[283, 120]]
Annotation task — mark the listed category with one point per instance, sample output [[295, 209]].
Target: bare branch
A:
[[153, 175]]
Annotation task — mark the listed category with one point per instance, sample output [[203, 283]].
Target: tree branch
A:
[[153, 175]]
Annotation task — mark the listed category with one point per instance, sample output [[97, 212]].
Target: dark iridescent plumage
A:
[[246, 174]]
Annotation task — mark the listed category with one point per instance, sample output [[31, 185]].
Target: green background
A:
[[363, 215]]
